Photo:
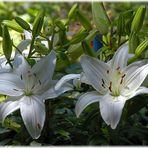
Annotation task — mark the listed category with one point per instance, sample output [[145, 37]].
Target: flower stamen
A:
[[110, 87]]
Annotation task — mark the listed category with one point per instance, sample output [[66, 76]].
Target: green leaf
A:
[[72, 11], [135, 104], [13, 25], [7, 43], [100, 17], [60, 25], [120, 25], [83, 19], [12, 125]]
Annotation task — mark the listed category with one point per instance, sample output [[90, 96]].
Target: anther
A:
[[103, 85], [123, 76], [40, 82], [103, 81], [107, 71], [110, 87], [15, 89], [21, 77], [34, 74], [122, 79]]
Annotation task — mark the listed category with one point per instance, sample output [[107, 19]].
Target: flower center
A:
[[28, 93], [114, 86]]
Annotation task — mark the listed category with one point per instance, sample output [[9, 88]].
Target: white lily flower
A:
[[114, 83], [27, 89]]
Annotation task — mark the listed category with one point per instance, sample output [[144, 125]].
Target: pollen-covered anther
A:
[[21, 77], [122, 78], [110, 87], [40, 82], [34, 74]]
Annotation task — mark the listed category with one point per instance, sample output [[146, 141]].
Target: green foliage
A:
[[69, 29]]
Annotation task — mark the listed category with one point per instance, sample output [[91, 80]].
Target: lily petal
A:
[[53, 93], [85, 100], [140, 90], [135, 75], [66, 78], [7, 108], [120, 58], [33, 114], [96, 72], [83, 79], [28, 35], [111, 109], [10, 85], [44, 68], [21, 66]]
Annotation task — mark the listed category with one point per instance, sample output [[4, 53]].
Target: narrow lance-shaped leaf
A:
[[138, 19], [84, 20], [22, 23], [72, 11], [60, 24], [13, 25], [120, 25], [100, 17], [37, 26], [7, 43]]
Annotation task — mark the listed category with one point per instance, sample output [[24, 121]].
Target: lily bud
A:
[[138, 19], [133, 42], [76, 50], [22, 23], [38, 23], [62, 61], [40, 48], [79, 37], [7, 43], [143, 46]]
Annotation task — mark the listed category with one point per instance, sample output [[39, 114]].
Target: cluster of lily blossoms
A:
[[28, 87]]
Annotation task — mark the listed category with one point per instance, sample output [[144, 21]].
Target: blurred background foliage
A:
[[65, 128]]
